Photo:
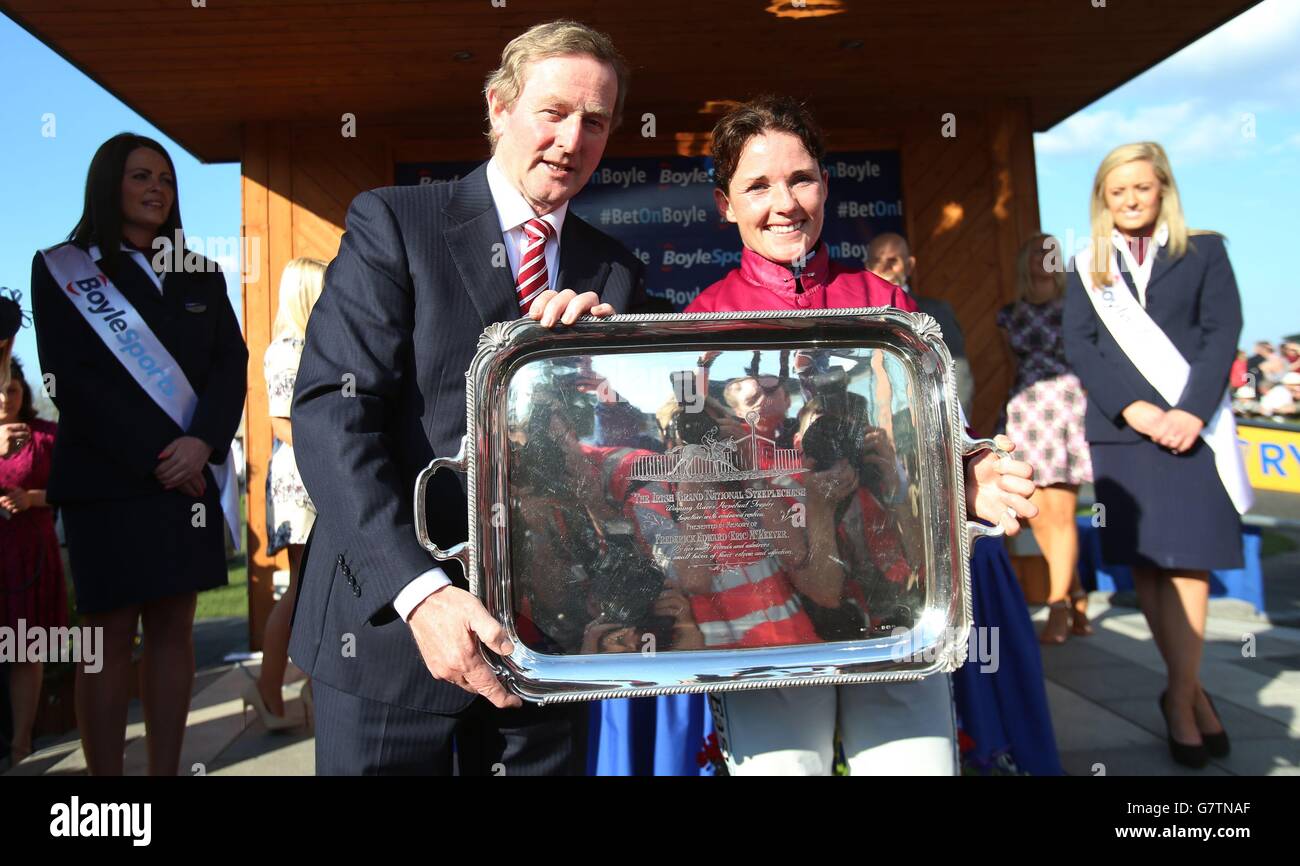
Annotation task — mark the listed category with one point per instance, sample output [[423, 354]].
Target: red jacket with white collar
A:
[[759, 284]]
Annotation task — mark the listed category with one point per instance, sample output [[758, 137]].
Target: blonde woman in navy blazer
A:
[[1168, 514]]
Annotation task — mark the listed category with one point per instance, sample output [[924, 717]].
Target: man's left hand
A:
[[566, 307], [998, 488]]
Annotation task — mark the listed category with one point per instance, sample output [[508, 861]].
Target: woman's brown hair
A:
[[760, 115], [27, 414]]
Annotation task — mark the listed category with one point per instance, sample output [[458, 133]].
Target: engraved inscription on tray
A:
[[764, 498]]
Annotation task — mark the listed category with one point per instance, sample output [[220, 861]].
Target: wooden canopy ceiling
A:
[[199, 73]]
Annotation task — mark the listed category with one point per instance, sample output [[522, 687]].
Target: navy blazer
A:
[[1194, 300], [380, 392], [110, 430]]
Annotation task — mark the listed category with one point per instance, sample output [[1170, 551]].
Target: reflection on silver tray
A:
[[679, 503]]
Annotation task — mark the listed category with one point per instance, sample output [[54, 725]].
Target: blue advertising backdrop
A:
[[661, 208]]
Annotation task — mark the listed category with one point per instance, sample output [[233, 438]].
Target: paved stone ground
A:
[[222, 735], [1282, 582], [1102, 692]]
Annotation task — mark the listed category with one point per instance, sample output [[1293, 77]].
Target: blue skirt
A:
[[127, 552], [1164, 510], [664, 736], [1002, 709]]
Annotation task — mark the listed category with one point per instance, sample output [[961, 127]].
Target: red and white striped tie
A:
[[532, 279]]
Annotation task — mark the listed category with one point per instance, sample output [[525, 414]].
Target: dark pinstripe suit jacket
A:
[[404, 303]]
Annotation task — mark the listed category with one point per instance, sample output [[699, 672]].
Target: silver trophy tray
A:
[[662, 504]]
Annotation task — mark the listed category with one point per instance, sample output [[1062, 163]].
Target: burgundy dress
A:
[[31, 573]]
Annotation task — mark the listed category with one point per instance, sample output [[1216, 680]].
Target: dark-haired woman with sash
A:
[[1152, 318], [149, 374]]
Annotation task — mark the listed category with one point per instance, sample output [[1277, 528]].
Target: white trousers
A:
[[888, 729]]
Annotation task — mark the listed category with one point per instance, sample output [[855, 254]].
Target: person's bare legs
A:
[[1147, 583], [1079, 604], [1055, 531], [25, 697], [275, 639], [1189, 601], [1175, 606], [167, 678], [102, 696]]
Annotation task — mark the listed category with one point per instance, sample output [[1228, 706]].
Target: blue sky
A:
[[1227, 109], [44, 178], [1200, 104]]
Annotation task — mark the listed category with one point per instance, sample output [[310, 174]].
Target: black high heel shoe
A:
[[1194, 756], [1216, 745]]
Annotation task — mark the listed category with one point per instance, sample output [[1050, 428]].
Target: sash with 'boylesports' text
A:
[[137, 348], [1160, 363]]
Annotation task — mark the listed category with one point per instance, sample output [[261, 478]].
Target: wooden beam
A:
[[259, 312], [239, 61]]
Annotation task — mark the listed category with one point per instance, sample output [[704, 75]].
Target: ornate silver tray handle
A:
[[676, 503]]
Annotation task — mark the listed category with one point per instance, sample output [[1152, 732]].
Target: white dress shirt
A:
[[512, 211], [1141, 273], [139, 259]]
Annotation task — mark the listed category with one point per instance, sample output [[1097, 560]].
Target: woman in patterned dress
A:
[[31, 573], [1045, 417], [289, 510]]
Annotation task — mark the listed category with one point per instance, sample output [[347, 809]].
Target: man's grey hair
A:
[[553, 39]]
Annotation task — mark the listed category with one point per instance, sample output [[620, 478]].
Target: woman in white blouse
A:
[[289, 510]]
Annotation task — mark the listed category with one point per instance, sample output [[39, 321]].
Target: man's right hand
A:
[[448, 626]]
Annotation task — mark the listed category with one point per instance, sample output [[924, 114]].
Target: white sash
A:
[[1160, 363], [134, 344]]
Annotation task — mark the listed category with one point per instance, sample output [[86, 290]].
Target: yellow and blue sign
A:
[[1272, 455]]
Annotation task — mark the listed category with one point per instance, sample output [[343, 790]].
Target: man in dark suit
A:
[[393, 644], [890, 257]]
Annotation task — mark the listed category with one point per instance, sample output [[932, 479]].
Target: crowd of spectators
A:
[[1266, 381]]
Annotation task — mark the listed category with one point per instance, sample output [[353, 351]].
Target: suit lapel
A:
[[134, 285], [579, 269], [1163, 264], [1159, 268], [1126, 275], [472, 237], [172, 291]]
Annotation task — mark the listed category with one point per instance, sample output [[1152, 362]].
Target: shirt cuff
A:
[[418, 590]]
